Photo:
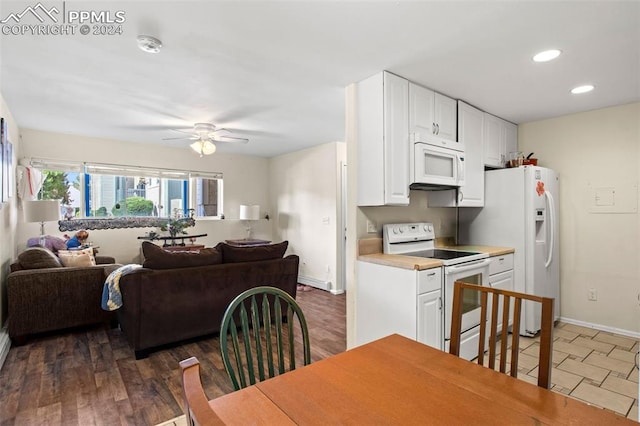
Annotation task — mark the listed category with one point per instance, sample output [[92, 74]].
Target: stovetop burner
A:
[[418, 239], [441, 254]]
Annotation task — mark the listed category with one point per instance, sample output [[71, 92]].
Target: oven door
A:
[[437, 166], [473, 273]]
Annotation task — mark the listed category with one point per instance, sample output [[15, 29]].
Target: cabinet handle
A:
[[437, 129], [460, 195], [431, 274], [440, 303], [433, 128]]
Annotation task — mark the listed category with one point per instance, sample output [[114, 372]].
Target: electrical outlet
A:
[[371, 227], [593, 294]]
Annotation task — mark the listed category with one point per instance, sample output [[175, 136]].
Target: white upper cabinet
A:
[[433, 118], [471, 133], [383, 140], [500, 138]]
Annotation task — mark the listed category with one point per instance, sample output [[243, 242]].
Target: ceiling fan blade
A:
[[192, 138], [189, 132], [233, 139]]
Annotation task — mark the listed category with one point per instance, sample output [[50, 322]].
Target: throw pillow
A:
[[52, 243], [82, 257], [157, 258], [235, 254], [38, 258]]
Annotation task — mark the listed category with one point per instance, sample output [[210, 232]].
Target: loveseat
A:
[[43, 295], [178, 296]]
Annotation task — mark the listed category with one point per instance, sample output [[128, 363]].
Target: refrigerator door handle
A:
[[552, 226]]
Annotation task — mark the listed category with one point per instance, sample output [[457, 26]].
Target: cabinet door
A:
[[493, 141], [502, 281], [396, 140], [422, 125], [445, 114], [510, 138], [470, 132], [430, 319]]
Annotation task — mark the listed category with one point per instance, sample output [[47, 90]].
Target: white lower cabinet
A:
[[430, 318], [501, 277], [397, 300]]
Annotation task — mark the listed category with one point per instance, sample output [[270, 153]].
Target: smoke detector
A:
[[149, 44]]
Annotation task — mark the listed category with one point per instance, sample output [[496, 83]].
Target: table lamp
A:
[[41, 211], [249, 213]]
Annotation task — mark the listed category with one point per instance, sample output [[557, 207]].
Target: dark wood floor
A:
[[90, 376]]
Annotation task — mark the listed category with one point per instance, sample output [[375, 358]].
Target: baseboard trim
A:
[[322, 285], [336, 292], [620, 331], [5, 345]]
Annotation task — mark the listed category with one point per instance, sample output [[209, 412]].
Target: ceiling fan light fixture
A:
[[203, 147], [149, 44]]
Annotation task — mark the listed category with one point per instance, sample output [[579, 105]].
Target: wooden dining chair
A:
[[546, 331], [197, 409], [260, 332]]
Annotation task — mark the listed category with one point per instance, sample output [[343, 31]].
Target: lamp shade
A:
[[249, 212], [41, 210]]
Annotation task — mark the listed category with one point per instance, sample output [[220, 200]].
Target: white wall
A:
[[245, 182], [8, 223], [305, 189], [596, 149]]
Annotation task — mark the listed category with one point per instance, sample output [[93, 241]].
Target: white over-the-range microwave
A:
[[436, 167]]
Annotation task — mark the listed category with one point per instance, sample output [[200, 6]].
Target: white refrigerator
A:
[[521, 211]]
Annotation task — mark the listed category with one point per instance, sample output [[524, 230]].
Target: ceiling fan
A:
[[204, 135]]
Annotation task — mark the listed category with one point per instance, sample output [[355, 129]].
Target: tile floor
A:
[[593, 366]]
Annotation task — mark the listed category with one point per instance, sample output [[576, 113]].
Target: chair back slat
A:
[[292, 357], [515, 337], [546, 344], [511, 312], [483, 327], [246, 337], [255, 326], [266, 319], [493, 326], [272, 333], [504, 332], [236, 351], [279, 338]]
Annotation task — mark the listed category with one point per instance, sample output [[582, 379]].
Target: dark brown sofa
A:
[[43, 295], [164, 303]]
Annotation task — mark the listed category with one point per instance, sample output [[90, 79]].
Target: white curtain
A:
[[30, 181]]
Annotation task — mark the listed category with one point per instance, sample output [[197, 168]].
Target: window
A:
[[109, 191]]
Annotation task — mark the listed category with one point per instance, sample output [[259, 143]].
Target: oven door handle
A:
[[466, 267]]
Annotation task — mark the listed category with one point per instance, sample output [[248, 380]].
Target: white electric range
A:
[[418, 303]]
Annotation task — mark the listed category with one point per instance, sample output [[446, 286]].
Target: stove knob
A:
[[430, 228], [394, 230], [401, 229]]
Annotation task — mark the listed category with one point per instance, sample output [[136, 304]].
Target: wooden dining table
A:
[[398, 381]]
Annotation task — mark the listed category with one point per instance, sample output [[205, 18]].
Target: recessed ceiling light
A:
[[547, 55], [582, 89], [149, 44]]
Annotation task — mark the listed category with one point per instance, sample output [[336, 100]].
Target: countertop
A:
[[371, 249]]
